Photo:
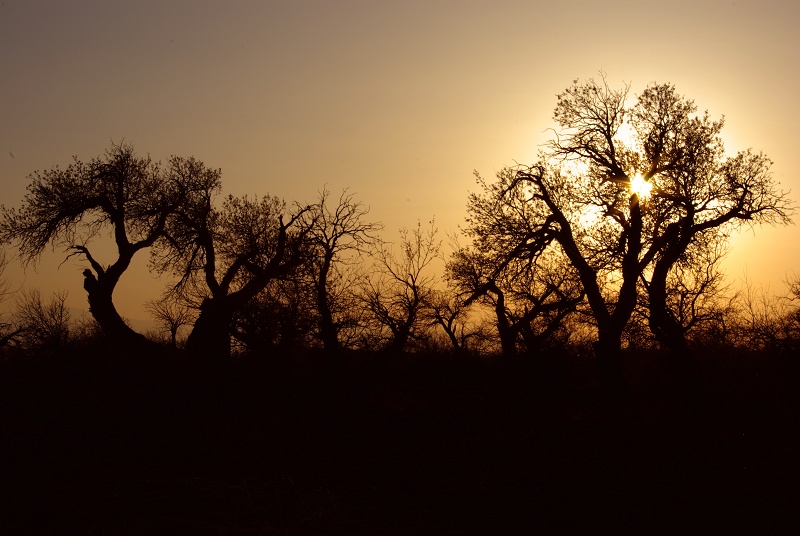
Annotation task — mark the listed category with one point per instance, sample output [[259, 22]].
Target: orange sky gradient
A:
[[398, 101]]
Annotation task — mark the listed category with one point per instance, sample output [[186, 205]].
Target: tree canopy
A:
[[131, 196], [625, 191]]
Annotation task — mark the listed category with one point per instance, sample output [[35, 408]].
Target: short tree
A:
[[45, 325], [767, 321], [280, 317], [398, 288], [171, 313], [447, 309]]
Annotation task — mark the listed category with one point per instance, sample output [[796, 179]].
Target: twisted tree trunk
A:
[[101, 306]]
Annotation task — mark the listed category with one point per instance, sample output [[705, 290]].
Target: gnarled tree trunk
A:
[[101, 306]]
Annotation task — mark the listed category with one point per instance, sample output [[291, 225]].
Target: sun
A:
[[640, 186]]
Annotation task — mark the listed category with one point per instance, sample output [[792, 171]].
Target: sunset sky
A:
[[398, 101]]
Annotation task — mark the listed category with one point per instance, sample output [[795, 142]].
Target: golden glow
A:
[[640, 186], [590, 215], [377, 97], [627, 136]]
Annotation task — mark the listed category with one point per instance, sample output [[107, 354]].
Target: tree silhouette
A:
[[397, 290], [530, 289], [448, 309], [605, 254], [228, 254], [131, 196], [625, 191], [337, 233], [698, 193], [44, 326], [768, 322], [171, 313], [279, 319]]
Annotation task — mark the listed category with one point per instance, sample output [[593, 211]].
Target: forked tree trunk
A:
[[452, 336]]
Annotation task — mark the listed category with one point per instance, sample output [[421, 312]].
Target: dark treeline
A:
[[613, 238], [581, 362]]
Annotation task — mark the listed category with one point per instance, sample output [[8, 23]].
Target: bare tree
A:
[[624, 191], [227, 255], [339, 235], [45, 326], [171, 313], [396, 291], [130, 196], [530, 302], [769, 322], [511, 268], [449, 310]]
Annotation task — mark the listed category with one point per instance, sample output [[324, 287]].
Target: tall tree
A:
[[626, 190], [339, 233], [131, 196]]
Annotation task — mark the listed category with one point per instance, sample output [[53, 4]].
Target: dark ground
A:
[[420, 446]]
